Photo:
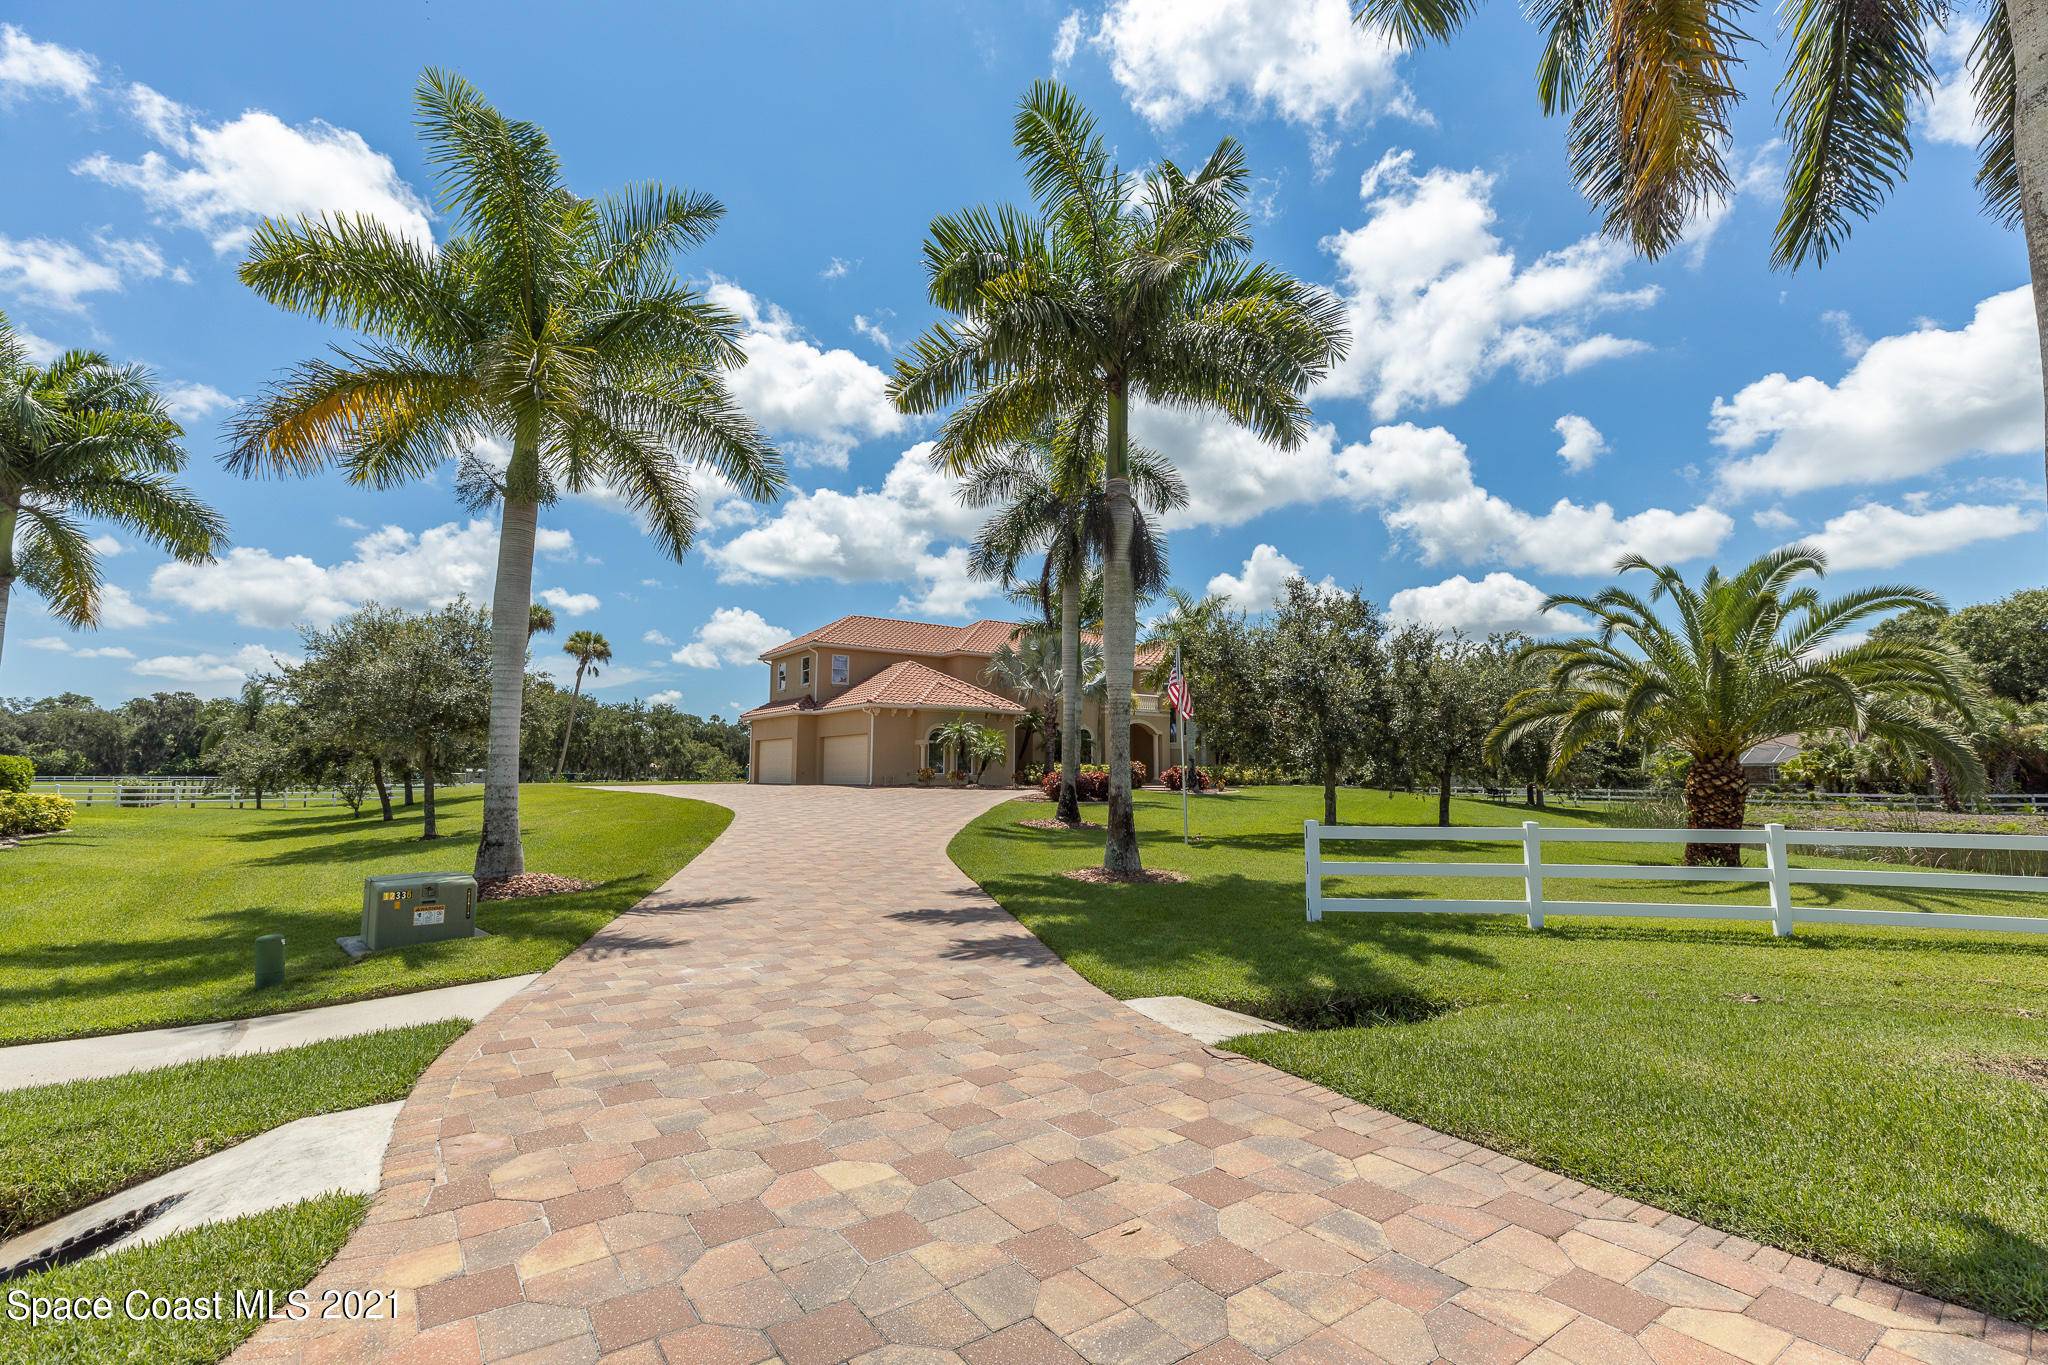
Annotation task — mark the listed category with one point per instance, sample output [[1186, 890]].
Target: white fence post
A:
[[1312, 841], [1781, 884], [1532, 870]]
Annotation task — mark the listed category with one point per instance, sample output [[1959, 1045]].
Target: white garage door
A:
[[846, 760], [777, 757]]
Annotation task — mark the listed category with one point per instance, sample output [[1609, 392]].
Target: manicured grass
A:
[[65, 1146], [142, 918], [279, 1250], [1847, 1093]]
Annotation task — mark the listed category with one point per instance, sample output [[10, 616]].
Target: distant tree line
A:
[[383, 705]]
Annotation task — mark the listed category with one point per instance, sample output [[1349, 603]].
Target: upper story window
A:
[[782, 677], [839, 670], [803, 671]]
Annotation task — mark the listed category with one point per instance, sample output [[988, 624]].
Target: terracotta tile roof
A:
[[777, 708], [1144, 656], [890, 635], [911, 683]]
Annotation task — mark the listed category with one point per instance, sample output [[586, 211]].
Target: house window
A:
[[782, 677], [935, 752], [1087, 745], [840, 671], [804, 671]]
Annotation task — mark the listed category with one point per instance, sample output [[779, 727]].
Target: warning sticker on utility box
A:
[[429, 914]]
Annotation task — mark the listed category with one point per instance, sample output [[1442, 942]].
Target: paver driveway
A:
[[820, 1099]]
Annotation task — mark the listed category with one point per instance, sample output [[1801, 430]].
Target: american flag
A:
[[1177, 693]]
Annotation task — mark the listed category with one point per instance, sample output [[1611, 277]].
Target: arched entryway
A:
[[1145, 750]]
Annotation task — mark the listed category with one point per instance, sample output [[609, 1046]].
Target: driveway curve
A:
[[819, 1099]]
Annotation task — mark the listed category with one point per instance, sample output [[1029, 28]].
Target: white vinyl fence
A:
[[178, 791], [1778, 875], [1993, 802]]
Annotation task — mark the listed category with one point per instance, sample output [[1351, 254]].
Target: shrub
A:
[[1093, 782], [34, 813], [1254, 775], [1173, 777], [17, 771]]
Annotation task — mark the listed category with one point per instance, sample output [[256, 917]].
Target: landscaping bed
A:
[[142, 918], [1859, 1095]]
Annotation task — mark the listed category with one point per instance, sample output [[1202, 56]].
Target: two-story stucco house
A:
[[858, 702]]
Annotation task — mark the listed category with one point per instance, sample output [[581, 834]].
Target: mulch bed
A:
[[1099, 877], [1058, 824], [528, 885]]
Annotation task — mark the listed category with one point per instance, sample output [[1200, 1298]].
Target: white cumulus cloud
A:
[[820, 403], [1582, 443], [1909, 404], [1436, 303], [391, 565], [667, 697], [28, 67], [1498, 602], [193, 402], [1258, 585], [733, 635], [1303, 60], [1877, 536], [208, 673], [59, 274], [569, 603], [220, 178]]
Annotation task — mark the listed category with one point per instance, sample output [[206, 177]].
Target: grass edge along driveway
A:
[[1850, 1094], [146, 918]]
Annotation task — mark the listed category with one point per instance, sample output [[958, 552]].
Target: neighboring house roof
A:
[[1770, 753], [911, 683], [891, 636]]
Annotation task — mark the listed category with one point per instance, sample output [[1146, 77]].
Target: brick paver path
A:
[[819, 1099]]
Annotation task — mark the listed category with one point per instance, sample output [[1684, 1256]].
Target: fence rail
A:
[[1777, 875], [1993, 802], [139, 792]]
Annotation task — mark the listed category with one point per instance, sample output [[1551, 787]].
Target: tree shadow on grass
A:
[[1990, 1254]]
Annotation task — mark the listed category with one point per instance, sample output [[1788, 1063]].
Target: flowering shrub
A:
[[925, 775], [34, 813], [1093, 782], [1172, 778]]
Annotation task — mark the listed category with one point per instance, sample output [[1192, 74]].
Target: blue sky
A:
[[1523, 400]]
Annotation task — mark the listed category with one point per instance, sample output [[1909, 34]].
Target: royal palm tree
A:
[[1048, 489], [1118, 288], [1733, 661], [84, 439], [590, 650], [547, 322], [1650, 88]]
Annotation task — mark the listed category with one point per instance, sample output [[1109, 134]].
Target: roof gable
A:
[[890, 635], [913, 684]]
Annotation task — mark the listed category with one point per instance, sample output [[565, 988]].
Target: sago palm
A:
[[1650, 89], [1050, 500], [547, 322], [1733, 661], [82, 439], [590, 650], [1119, 288]]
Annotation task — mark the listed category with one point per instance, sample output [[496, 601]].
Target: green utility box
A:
[[418, 907]]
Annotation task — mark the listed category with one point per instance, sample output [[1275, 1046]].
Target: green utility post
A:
[[269, 961]]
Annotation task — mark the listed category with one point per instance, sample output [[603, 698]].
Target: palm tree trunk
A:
[[569, 726], [1070, 693], [2027, 23], [1119, 642], [499, 853], [1716, 797], [8, 516]]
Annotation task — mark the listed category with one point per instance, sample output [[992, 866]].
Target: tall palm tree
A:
[[1048, 488], [546, 321], [82, 438], [1737, 660], [1649, 89], [589, 650], [1118, 288]]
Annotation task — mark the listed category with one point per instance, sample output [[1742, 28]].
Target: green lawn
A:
[[280, 1251], [65, 1146], [142, 918], [1850, 1094]]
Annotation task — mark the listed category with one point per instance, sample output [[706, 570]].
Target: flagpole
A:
[[1186, 774]]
